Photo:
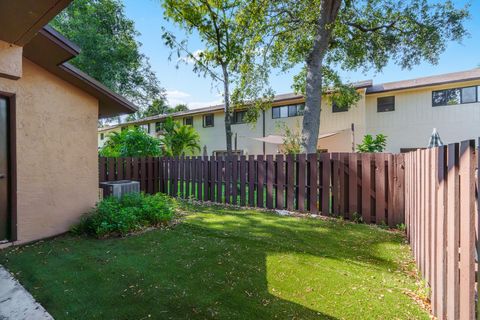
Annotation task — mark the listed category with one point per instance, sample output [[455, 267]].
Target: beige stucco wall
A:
[[57, 178], [10, 60], [414, 118]]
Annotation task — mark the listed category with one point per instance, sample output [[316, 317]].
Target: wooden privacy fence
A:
[[441, 205], [370, 186]]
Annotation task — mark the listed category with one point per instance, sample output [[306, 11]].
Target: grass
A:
[[224, 263]]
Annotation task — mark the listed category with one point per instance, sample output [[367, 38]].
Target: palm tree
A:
[[179, 139]]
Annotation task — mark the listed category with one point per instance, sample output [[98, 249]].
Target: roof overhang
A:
[[50, 50], [22, 19]]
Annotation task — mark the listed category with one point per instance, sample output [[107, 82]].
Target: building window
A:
[[449, 97], [158, 126], [338, 108], [288, 111], [208, 120], [386, 104], [239, 117], [102, 136], [188, 121], [144, 127]]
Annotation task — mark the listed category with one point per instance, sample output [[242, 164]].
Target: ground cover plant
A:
[[225, 263], [132, 212]]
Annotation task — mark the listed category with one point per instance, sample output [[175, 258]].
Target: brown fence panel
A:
[[441, 217]]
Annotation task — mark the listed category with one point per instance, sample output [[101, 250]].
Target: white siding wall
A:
[[414, 118]]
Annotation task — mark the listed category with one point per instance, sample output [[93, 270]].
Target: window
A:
[[144, 127], [454, 96], [102, 136], [337, 108], [158, 126], [288, 111], [386, 104], [188, 121], [208, 120], [239, 117]]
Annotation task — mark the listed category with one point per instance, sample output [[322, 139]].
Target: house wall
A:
[[56, 125], [10, 60], [214, 137], [412, 122]]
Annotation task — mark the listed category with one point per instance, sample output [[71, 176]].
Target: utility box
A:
[[119, 188]]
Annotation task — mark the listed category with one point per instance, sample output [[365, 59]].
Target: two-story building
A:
[[405, 111]]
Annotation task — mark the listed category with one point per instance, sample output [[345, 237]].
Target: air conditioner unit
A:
[[119, 188]]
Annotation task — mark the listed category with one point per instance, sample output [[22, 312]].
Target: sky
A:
[[184, 86]]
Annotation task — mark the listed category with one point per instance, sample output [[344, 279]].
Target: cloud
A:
[[189, 59]]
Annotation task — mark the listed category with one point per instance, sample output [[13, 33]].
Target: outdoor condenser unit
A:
[[119, 188]]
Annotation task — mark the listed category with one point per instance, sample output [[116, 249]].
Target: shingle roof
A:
[[473, 74]]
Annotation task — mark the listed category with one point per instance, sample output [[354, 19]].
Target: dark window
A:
[[239, 117], [208, 120], [469, 95], [158, 126], [385, 104], [288, 111], [102, 136], [338, 108], [449, 97], [188, 121]]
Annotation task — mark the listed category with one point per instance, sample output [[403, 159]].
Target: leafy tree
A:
[[178, 108], [131, 143], [179, 139], [110, 53], [371, 144], [224, 54], [292, 141], [158, 106], [327, 35]]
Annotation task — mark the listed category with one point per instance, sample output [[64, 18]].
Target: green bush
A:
[[134, 211]]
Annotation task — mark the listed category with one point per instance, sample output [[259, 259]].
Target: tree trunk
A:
[[228, 112], [313, 91]]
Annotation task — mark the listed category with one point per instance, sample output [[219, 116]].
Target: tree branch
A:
[[372, 29]]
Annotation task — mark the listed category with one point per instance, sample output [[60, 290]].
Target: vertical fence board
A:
[[243, 180], [380, 197], [228, 177], [234, 179], [251, 181], [260, 180], [467, 228], [452, 233], [326, 178], [352, 184], [280, 188], [270, 180], [366, 187], [290, 182], [301, 182], [219, 161], [313, 196]]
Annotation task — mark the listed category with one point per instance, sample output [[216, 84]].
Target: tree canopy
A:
[[110, 53], [179, 139], [133, 142], [325, 36], [224, 53]]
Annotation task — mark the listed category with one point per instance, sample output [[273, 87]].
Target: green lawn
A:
[[224, 264]]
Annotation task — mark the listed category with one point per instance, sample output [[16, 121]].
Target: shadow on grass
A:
[[215, 265]]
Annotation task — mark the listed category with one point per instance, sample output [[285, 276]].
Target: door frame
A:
[[12, 164]]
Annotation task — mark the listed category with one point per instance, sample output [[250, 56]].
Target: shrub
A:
[[113, 216], [371, 144]]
